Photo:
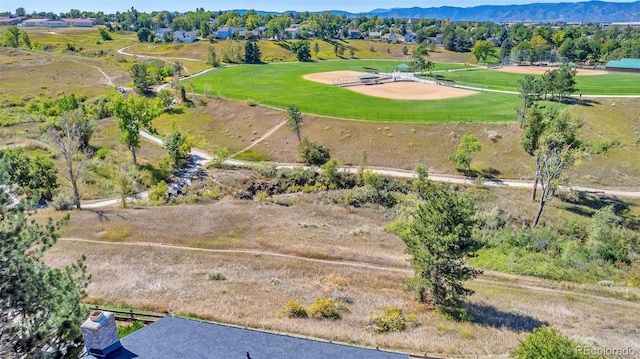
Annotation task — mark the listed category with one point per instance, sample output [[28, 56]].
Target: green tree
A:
[[26, 40], [178, 147], [313, 153], [301, 49], [33, 175], [529, 90], [132, 115], [548, 343], [12, 37], [252, 52], [467, 145], [420, 63], [439, 241], [104, 33], [316, 48], [294, 120], [144, 35], [41, 306], [560, 82], [482, 49], [140, 75], [71, 137], [212, 58], [20, 12]]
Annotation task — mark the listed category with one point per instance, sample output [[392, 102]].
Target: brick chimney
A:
[[100, 334]]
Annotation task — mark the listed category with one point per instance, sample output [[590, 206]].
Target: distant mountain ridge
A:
[[589, 11]]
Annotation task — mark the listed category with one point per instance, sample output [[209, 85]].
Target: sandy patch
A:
[[401, 90], [540, 70]]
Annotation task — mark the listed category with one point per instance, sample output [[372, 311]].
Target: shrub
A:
[[294, 309], [124, 330], [391, 319], [102, 152], [313, 153], [324, 308], [61, 201], [158, 191], [547, 343], [216, 275]]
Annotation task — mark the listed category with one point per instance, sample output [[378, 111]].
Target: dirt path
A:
[[354, 264], [123, 51], [109, 81], [262, 138]]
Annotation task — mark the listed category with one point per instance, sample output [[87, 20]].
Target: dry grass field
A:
[[157, 258]]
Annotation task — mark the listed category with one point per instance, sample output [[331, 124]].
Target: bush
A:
[[61, 201], [313, 153], [547, 343], [158, 192], [102, 152], [324, 308], [216, 275], [391, 319], [124, 330], [294, 309]]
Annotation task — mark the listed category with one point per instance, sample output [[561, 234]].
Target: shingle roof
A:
[[624, 63], [173, 337]]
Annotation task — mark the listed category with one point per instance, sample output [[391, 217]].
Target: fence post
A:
[[131, 313]]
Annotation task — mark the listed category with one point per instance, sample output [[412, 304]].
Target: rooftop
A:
[[173, 337], [624, 63]]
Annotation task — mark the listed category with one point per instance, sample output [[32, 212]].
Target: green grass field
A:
[[609, 84], [280, 85]]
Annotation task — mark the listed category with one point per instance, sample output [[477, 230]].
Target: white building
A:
[[184, 36]]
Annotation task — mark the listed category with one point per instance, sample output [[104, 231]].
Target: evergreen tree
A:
[[40, 306], [439, 240]]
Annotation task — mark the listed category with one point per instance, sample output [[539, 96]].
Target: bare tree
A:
[[69, 138], [550, 163]]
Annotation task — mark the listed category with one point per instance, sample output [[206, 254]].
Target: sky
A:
[[111, 6]]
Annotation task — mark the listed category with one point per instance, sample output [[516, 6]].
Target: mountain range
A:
[[589, 11]]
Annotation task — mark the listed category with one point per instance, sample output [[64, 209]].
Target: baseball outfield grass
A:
[[282, 84]]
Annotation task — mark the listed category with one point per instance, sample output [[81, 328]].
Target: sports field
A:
[[612, 83], [283, 84]]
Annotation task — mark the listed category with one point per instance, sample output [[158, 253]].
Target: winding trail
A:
[[104, 74], [354, 264]]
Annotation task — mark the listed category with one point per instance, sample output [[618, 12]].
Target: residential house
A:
[[395, 38], [494, 41], [435, 39], [173, 337], [184, 36], [162, 32], [410, 37], [354, 34], [8, 21], [374, 35], [80, 22], [225, 32]]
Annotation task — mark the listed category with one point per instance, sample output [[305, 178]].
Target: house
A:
[[354, 34], [184, 36], [80, 22], [410, 37], [8, 21], [174, 337], [624, 65], [33, 22], [375, 35], [435, 39], [395, 38], [162, 32], [293, 32], [494, 41], [225, 32]]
